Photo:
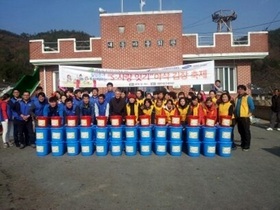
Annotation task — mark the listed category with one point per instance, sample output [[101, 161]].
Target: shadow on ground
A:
[[273, 150]]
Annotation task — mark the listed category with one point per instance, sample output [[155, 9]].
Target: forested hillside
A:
[[14, 51]]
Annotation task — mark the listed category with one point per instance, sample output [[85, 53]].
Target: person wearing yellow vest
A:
[[196, 109], [226, 108], [159, 107], [140, 97], [148, 109], [182, 107], [169, 110], [132, 107], [243, 110], [212, 94]]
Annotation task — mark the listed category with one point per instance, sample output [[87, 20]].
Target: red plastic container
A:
[[85, 121], [101, 121], [225, 121], [130, 120], [42, 121], [116, 120], [210, 121], [160, 120], [145, 120], [193, 121], [71, 121], [56, 121], [176, 120]]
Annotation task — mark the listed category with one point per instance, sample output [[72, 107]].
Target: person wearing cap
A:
[[132, 107], [110, 93], [244, 106]]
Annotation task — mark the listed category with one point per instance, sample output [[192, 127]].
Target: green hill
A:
[[14, 51]]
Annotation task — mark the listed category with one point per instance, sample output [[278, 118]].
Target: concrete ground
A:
[[247, 180]]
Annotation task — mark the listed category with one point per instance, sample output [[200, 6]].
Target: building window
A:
[[110, 44], [227, 75], [148, 43], [140, 28], [160, 42], [121, 29], [135, 43], [160, 27], [173, 42], [122, 44]]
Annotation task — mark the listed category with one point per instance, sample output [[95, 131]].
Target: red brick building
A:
[[139, 40]]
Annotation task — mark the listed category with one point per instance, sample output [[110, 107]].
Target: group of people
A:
[[19, 114]]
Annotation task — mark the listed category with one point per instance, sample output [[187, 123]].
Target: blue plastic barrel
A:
[[116, 148], [87, 148], [224, 148], [176, 133], [116, 133], [73, 147], [160, 133], [131, 133], [175, 148], [101, 134], [101, 148], [208, 134], [224, 133], [42, 134], [209, 148], [130, 148], [193, 134], [86, 133], [57, 134], [58, 147], [42, 148], [193, 148], [71, 133], [145, 133], [160, 148], [145, 148]]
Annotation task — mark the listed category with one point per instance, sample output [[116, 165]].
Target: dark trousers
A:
[[275, 119], [243, 126], [25, 129], [16, 133]]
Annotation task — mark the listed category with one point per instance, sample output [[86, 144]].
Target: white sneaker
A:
[[278, 129], [270, 129]]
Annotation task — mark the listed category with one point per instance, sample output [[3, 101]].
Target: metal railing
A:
[[82, 45], [240, 39], [50, 46]]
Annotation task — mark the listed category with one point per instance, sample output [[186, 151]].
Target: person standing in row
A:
[[5, 117], [25, 112], [275, 111], [117, 105], [243, 110], [110, 93]]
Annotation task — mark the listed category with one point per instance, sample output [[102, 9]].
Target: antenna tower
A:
[[223, 18]]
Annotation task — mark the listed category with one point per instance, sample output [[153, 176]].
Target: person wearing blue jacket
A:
[[94, 97], [40, 104], [86, 107], [110, 93], [102, 107], [15, 98], [70, 109], [77, 99], [244, 107], [24, 120], [53, 108]]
